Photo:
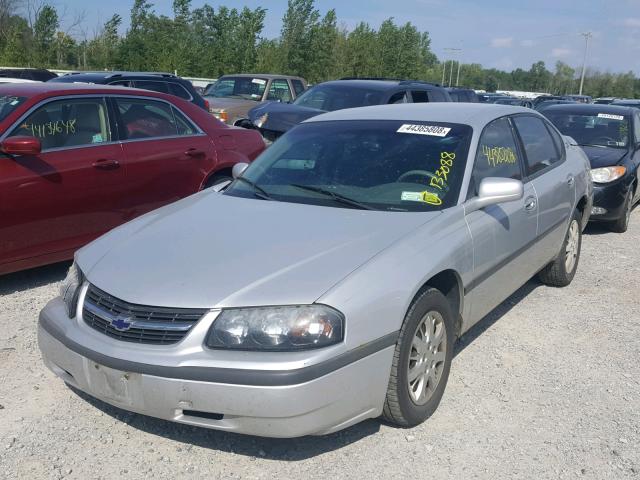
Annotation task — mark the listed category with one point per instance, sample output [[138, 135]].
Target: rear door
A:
[[502, 234], [72, 191], [552, 179], [167, 155]]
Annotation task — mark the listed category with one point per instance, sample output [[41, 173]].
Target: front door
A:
[[68, 194], [502, 234]]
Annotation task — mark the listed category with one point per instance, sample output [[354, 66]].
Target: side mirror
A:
[[238, 168], [20, 145], [494, 190]]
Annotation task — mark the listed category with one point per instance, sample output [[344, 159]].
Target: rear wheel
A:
[[421, 361], [561, 271], [622, 224]]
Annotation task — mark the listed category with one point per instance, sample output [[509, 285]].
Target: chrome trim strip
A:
[[141, 324]]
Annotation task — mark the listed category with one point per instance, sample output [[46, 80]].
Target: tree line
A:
[[208, 42]]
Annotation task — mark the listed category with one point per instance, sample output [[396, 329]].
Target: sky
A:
[[504, 34]]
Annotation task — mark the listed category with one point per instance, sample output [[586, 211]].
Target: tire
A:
[[560, 272], [217, 179], [622, 224], [400, 406]]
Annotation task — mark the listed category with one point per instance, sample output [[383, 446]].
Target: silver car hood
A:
[[211, 250]]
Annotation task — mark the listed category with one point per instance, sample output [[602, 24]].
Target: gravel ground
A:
[[547, 386]]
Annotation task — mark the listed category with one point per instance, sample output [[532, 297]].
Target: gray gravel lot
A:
[[547, 386]]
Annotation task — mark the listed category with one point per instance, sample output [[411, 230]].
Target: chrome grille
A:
[[130, 322]]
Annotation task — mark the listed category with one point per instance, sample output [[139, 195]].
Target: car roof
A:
[[269, 76], [589, 108], [381, 85], [99, 76], [474, 114], [49, 89]]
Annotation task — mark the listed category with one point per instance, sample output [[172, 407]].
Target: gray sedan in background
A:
[[328, 283]]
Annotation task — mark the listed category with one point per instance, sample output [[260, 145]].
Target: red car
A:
[[77, 160]]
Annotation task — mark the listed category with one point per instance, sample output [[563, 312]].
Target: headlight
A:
[[261, 120], [70, 289], [277, 328], [607, 174]]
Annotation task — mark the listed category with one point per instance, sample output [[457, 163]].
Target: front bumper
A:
[[314, 400], [610, 198]]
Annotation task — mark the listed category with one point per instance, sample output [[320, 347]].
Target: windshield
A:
[[8, 103], [336, 97], [602, 129], [375, 164], [247, 88]]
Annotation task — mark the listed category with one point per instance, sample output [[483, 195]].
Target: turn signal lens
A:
[[607, 174], [277, 328]]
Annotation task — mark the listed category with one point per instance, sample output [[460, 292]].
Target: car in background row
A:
[[610, 136], [516, 102], [77, 160], [232, 96], [328, 284], [156, 82], [490, 97], [621, 102], [604, 100], [274, 119], [579, 98], [36, 74], [459, 94], [542, 106]]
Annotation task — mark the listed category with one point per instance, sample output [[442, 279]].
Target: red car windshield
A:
[[8, 103]]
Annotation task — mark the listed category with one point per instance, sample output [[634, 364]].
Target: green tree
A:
[[44, 32]]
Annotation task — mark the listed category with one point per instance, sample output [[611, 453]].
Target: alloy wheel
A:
[[571, 251], [427, 357]]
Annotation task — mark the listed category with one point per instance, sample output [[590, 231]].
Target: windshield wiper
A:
[[335, 196], [258, 191], [592, 145]]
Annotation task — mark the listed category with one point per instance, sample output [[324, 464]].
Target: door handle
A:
[[106, 164], [194, 152], [571, 181], [530, 203]]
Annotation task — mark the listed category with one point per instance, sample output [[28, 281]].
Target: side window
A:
[[68, 123], [437, 96], [419, 96], [152, 85], [398, 97], [279, 91], [185, 127], [497, 155], [178, 90], [121, 83], [298, 86], [636, 126], [539, 147], [145, 118]]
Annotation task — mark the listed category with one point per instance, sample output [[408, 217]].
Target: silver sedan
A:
[[328, 283]]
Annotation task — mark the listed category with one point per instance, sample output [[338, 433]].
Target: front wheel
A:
[[421, 361], [560, 272]]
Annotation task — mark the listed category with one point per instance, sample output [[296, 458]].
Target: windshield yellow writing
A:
[[446, 162], [499, 155]]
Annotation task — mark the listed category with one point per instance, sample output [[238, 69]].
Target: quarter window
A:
[[398, 97], [179, 91], [151, 119], [538, 145], [279, 91], [68, 123], [636, 127], [497, 155]]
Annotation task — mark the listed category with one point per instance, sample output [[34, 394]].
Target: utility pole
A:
[[451, 50], [458, 75], [444, 69], [587, 36]]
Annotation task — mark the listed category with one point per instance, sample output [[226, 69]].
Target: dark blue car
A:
[[273, 119], [610, 136]]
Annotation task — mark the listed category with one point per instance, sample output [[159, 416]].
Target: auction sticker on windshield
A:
[[424, 130], [426, 197], [259, 81], [610, 117]]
